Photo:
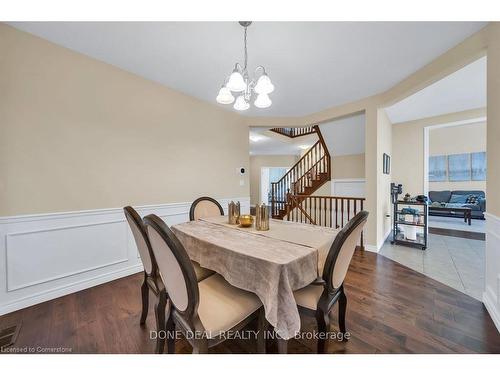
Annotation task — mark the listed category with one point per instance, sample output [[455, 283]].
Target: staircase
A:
[[294, 132], [304, 178]]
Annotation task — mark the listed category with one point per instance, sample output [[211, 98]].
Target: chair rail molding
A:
[[46, 256], [491, 295]]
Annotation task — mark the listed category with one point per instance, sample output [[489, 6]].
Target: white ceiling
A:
[[314, 65], [465, 89], [344, 136], [264, 142]]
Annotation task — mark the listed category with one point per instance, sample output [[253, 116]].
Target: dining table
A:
[[272, 264]]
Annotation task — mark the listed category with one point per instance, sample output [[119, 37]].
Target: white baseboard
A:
[[491, 304], [376, 249], [47, 256], [372, 248], [491, 296]]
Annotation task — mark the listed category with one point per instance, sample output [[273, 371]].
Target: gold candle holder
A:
[[233, 213], [262, 217]]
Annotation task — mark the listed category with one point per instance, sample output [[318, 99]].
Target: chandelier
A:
[[244, 88]]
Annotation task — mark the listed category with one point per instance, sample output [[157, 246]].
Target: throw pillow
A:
[[458, 198], [472, 199]]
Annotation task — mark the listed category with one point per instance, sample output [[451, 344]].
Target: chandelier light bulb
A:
[[262, 101], [236, 82], [225, 96], [241, 104], [264, 85]]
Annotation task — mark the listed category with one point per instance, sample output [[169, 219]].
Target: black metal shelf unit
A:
[[398, 236]]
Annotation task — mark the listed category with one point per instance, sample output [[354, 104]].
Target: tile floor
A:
[[456, 223], [456, 262]]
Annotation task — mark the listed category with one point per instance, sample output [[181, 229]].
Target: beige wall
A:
[[79, 134], [491, 297], [348, 166], [457, 140], [493, 131], [407, 161], [384, 145], [344, 166], [259, 161]]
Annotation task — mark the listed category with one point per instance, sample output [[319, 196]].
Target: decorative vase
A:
[[262, 217]]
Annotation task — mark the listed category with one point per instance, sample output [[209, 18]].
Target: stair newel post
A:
[[328, 167], [288, 212], [278, 197], [281, 194], [273, 199], [287, 204], [315, 155], [288, 185]]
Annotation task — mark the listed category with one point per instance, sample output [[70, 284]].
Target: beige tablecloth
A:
[[271, 264]]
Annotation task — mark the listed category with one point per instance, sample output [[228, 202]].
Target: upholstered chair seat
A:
[[222, 306], [309, 296], [201, 272]]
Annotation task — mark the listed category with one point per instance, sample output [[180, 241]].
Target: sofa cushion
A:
[[473, 199], [479, 193], [440, 196], [456, 198]]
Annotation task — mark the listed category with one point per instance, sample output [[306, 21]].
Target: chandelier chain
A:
[[246, 53]]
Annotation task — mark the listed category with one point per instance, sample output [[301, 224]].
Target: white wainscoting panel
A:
[[349, 187], [491, 296], [50, 255], [62, 252]]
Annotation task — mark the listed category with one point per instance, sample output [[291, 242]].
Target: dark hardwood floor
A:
[[391, 309], [458, 233]]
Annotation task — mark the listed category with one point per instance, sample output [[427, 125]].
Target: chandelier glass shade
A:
[[241, 104], [239, 82], [225, 96], [236, 82], [262, 101]]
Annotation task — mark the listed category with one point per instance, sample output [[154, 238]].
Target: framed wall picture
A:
[[459, 167], [478, 166], [386, 164], [438, 168]]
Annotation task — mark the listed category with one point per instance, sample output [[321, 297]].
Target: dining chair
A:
[[318, 298], [151, 278], [203, 312], [152, 281], [205, 207]]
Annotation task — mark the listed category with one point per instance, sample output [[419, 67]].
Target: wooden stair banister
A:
[[328, 211], [310, 172], [294, 132]]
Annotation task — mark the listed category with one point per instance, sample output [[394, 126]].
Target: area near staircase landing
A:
[[310, 172]]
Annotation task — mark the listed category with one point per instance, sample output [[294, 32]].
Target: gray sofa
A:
[[444, 198]]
